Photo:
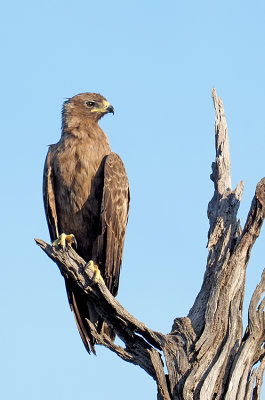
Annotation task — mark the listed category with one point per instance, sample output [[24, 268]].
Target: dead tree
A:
[[208, 356]]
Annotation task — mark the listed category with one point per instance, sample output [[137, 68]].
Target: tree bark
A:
[[208, 356]]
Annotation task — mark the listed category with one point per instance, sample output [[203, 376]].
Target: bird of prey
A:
[[86, 198]]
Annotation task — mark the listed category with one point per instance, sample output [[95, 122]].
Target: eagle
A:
[[86, 199]]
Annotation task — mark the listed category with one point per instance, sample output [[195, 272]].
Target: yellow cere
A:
[[105, 103]]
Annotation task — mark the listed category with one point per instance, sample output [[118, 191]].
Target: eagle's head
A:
[[85, 106]]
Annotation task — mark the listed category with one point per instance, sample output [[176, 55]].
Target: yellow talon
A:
[[97, 275], [64, 240]]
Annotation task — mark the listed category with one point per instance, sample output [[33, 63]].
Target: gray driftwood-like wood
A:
[[208, 356]]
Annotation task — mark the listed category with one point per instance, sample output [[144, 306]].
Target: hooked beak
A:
[[110, 109]]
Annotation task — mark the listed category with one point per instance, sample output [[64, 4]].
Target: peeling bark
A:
[[208, 356]]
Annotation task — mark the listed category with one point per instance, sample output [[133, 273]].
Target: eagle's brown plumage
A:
[[86, 192]]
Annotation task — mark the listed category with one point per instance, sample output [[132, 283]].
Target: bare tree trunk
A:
[[207, 354]]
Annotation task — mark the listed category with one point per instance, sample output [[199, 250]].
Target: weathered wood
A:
[[141, 343], [207, 354]]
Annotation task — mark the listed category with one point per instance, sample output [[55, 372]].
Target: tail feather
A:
[[83, 310]]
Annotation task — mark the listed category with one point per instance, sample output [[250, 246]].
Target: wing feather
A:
[[113, 217], [49, 197], [77, 300]]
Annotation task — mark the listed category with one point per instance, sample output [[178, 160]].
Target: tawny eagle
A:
[[86, 193]]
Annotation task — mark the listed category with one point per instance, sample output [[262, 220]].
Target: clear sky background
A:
[[156, 62]]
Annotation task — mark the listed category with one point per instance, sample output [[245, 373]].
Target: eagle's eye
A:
[[90, 103]]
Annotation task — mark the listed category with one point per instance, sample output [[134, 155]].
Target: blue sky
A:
[[156, 62]]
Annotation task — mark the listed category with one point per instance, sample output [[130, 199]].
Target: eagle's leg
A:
[[97, 275], [64, 240]]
